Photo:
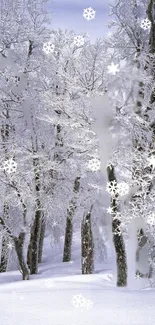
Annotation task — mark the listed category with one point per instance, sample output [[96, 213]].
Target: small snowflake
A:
[[78, 40], [137, 276], [113, 68], [78, 301], [94, 165], [10, 246], [89, 13], [145, 24], [10, 166], [122, 188], [111, 188], [48, 48], [49, 283], [88, 304], [110, 210]]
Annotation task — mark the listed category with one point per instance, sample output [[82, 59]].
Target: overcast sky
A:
[[68, 14]]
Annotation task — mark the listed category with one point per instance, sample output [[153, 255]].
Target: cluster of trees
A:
[[46, 139], [133, 44]]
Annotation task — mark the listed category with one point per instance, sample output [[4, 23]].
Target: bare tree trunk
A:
[[41, 240], [69, 223], [4, 254], [118, 237], [33, 248], [87, 245], [4, 250], [19, 242]]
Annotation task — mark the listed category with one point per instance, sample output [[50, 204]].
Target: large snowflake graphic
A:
[[94, 165], [111, 188], [145, 24], [89, 13], [10, 166], [48, 48], [78, 301], [49, 283], [113, 68], [110, 210], [78, 40], [122, 188], [88, 304]]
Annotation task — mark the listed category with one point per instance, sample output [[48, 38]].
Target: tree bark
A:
[[87, 245], [69, 223], [33, 248], [41, 240], [4, 250], [19, 242], [4, 254], [119, 245]]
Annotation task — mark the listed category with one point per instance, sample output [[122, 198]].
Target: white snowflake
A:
[[111, 188], [49, 283], [122, 188], [151, 161], [113, 68], [89, 13], [110, 210], [10, 166], [48, 48], [78, 301], [145, 24], [10, 245], [78, 40], [151, 219], [94, 165], [137, 276], [88, 304]]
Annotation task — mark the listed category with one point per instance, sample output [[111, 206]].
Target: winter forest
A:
[[77, 167]]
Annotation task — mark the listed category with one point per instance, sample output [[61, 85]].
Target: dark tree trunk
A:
[[4, 250], [87, 245], [33, 248], [69, 223], [4, 254], [19, 242], [118, 237], [41, 240]]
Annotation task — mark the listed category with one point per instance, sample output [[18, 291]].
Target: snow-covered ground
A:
[[60, 295]]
